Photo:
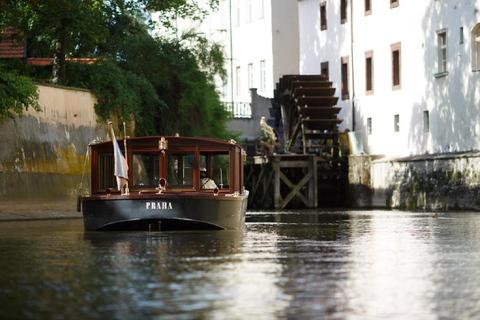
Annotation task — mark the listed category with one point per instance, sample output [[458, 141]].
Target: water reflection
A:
[[338, 265]]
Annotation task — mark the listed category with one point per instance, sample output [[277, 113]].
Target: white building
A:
[[407, 72], [260, 38]]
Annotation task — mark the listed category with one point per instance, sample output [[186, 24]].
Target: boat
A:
[[169, 183]]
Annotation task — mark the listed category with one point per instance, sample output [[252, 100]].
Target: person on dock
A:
[[267, 138]]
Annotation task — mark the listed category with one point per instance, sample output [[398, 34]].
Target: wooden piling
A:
[[293, 178]]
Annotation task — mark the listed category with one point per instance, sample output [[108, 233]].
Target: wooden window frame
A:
[[238, 79], [368, 7], [345, 77], [396, 123], [475, 48], [396, 50], [369, 71], [442, 53], [323, 15], [249, 10], [426, 121], [263, 75], [250, 76], [343, 11], [324, 70]]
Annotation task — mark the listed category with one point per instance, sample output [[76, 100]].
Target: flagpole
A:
[[127, 191]]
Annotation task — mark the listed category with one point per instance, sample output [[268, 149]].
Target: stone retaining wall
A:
[[430, 182], [43, 154]]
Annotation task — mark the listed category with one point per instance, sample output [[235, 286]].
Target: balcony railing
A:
[[239, 110]]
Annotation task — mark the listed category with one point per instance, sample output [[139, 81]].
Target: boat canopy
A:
[[170, 164]]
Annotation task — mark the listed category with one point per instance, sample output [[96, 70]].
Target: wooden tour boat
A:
[[165, 183]]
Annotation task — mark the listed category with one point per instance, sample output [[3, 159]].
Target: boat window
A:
[[145, 170], [106, 168], [214, 170], [180, 170]]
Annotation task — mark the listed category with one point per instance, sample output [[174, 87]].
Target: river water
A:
[[283, 265]]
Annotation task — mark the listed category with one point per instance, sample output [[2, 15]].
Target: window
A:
[[324, 68], [476, 48], [394, 3], [462, 38], [145, 171], [237, 82], [263, 76], [442, 51], [237, 10], [369, 126], [214, 170], [323, 16], [250, 75], [249, 10], [345, 80], [396, 123], [261, 9], [426, 121], [369, 72], [180, 170], [343, 11], [396, 66], [368, 7], [106, 165]]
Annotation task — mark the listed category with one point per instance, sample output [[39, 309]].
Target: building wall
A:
[[317, 46], [424, 164], [43, 154], [285, 39], [452, 100], [252, 43]]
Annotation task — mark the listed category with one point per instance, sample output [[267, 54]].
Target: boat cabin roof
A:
[[185, 164]]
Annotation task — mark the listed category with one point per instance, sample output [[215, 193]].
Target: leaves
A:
[[120, 93], [16, 93], [165, 86]]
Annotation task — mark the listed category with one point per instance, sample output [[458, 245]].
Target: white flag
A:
[[121, 167]]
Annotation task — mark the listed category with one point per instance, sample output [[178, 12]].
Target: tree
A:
[[171, 9], [194, 107], [57, 27], [164, 85], [16, 93]]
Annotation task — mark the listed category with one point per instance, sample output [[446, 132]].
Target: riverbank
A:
[[16, 216]]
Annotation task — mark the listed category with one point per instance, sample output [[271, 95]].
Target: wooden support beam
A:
[[295, 189], [257, 184], [266, 189], [277, 197], [310, 198], [312, 184]]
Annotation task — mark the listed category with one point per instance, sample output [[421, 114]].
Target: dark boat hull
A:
[[164, 212]]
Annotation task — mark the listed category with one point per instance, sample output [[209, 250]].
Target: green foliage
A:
[[194, 107], [119, 93], [165, 86], [209, 54], [172, 9], [57, 28], [16, 93]]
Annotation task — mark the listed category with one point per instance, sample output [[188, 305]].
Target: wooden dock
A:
[[290, 181], [313, 170]]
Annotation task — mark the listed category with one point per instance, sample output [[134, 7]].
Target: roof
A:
[[10, 48], [49, 61], [151, 143], [13, 48]]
